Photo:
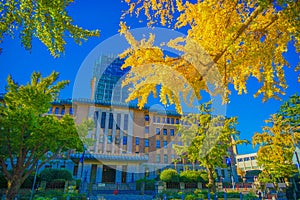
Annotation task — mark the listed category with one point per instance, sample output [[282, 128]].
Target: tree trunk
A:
[[211, 180], [13, 187]]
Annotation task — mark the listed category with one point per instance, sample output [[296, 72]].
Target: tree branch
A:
[[245, 25], [4, 168]]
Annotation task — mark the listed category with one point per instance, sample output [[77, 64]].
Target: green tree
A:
[[46, 20], [276, 149], [169, 175], [27, 134], [207, 140], [290, 111]]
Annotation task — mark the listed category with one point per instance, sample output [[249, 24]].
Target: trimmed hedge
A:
[[50, 175], [169, 175], [190, 176]]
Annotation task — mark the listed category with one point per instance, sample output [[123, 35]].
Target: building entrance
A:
[[109, 174]]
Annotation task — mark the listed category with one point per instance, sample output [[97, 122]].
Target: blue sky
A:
[[105, 15]]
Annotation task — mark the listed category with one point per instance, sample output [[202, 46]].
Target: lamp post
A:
[[34, 180], [228, 163], [82, 166]]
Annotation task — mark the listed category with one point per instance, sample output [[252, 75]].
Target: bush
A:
[[190, 176], [149, 184], [190, 197], [3, 181], [52, 174], [169, 175], [29, 181]]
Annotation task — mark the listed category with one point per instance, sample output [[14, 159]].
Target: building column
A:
[[118, 174], [99, 174], [86, 172]]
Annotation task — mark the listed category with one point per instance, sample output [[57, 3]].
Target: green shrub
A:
[[3, 181], [190, 176], [190, 197], [149, 184], [53, 174], [169, 175]]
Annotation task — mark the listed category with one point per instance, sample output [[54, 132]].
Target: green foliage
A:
[[46, 20], [190, 197], [169, 175], [27, 134], [3, 181], [207, 139], [290, 111], [190, 176], [50, 175], [277, 142], [149, 184]]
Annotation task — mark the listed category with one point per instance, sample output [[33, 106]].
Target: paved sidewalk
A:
[[122, 197]]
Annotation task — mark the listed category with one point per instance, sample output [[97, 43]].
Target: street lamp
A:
[[82, 166], [34, 180], [228, 163]]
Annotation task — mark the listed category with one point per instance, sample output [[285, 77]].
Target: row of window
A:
[[111, 120], [137, 141], [57, 111], [246, 159], [165, 131], [165, 157]]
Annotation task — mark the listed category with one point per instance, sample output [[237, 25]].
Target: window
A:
[[172, 132], [117, 140], [157, 131], [168, 120], [171, 144], [172, 120], [103, 118], [177, 121], [165, 131], [109, 139], [157, 143], [137, 141], [96, 115], [153, 118], [172, 157], [147, 118], [71, 111], [252, 158], [146, 143], [147, 129], [158, 119], [118, 121], [100, 138], [124, 140], [126, 122], [180, 143], [165, 158], [157, 158], [240, 159], [63, 111], [56, 110], [110, 121], [163, 120], [165, 144], [246, 159], [50, 110]]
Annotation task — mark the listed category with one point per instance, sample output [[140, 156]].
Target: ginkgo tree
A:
[[207, 140], [276, 150], [226, 43]]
